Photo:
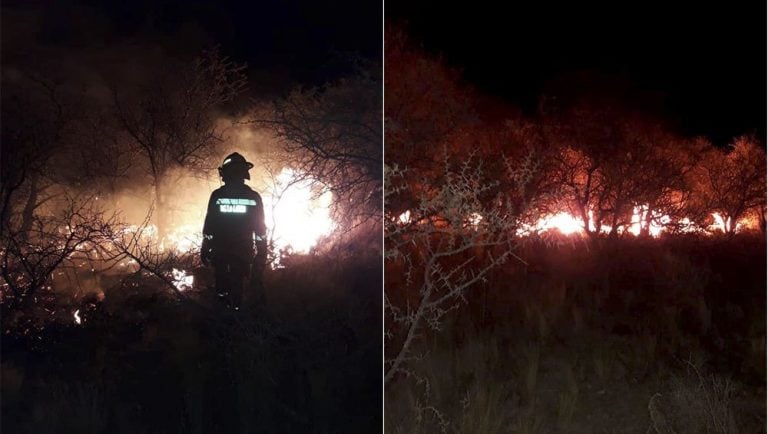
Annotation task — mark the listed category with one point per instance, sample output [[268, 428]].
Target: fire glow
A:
[[654, 224], [563, 222], [296, 215], [181, 280]]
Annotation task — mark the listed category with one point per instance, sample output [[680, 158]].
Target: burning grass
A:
[[119, 330], [654, 223]]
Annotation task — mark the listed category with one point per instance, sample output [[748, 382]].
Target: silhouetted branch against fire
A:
[[731, 183], [332, 134], [460, 228], [172, 121], [140, 246], [69, 237], [297, 207]]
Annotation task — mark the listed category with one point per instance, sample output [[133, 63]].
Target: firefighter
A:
[[234, 233]]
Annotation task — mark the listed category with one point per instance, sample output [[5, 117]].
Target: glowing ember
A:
[[567, 224], [181, 280], [475, 219], [604, 229], [78, 320], [724, 225], [563, 222], [405, 217], [639, 214], [686, 225], [297, 216], [655, 227]]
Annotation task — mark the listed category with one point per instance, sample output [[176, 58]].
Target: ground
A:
[[631, 336], [142, 361]]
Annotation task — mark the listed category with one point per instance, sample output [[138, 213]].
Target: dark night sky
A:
[[709, 61], [299, 40]]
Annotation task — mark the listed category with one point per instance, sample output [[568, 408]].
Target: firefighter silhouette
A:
[[234, 234]]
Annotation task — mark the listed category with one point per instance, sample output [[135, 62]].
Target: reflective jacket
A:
[[234, 222]]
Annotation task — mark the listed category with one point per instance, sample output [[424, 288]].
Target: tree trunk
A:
[[587, 222], [161, 209], [645, 223], [614, 233], [28, 214]]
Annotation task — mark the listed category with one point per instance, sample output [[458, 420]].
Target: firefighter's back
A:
[[233, 217]]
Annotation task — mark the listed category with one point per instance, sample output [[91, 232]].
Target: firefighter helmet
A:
[[235, 165]]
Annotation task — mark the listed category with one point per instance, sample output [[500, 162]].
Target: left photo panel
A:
[[191, 217]]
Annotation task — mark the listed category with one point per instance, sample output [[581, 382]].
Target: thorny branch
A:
[[459, 229]]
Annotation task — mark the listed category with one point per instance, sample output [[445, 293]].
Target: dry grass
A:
[[150, 364], [595, 346]]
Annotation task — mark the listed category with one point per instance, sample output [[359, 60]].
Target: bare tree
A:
[[139, 246], [662, 172], [731, 183], [426, 111], [582, 187], [611, 164], [65, 238], [104, 160], [172, 120], [426, 108], [38, 122], [332, 135]]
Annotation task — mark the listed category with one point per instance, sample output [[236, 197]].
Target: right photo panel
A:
[[575, 218]]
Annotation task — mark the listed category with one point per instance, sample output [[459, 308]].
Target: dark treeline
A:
[[600, 145]]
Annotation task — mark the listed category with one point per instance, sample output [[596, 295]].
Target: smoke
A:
[[297, 213]]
